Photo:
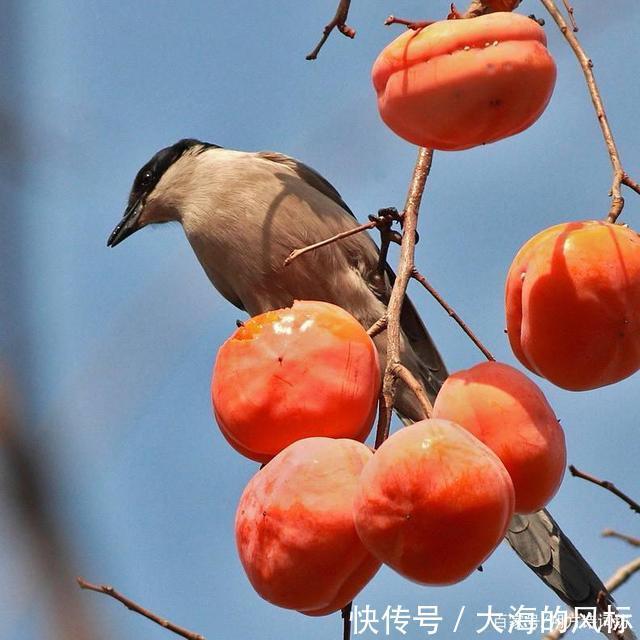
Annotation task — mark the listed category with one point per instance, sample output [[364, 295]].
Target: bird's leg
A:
[[384, 221]]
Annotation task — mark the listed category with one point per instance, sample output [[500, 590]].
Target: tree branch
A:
[[622, 575], [411, 381], [404, 271], [610, 533], [339, 20], [619, 176], [416, 275], [383, 221], [605, 484], [136, 608]]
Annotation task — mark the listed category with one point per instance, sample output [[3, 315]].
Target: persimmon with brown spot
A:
[[573, 304], [510, 414], [294, 527], [433, 502], [310, 370], [456, 84]]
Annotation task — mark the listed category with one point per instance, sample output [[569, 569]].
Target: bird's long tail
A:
[[536, 538]]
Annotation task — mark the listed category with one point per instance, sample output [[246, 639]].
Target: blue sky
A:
[[114, 348]]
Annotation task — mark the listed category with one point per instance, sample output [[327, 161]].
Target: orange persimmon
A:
[[310, 370], [456, 84], [573, 304], [509, 413], [433, 502], [294, 527], [502, 5]]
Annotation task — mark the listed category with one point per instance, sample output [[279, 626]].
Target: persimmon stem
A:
[[136, 608], [619, 175], [338, 21], [416, 275]]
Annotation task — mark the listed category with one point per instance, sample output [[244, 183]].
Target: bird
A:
[[243, 213]]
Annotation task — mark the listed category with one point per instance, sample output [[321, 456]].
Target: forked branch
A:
[[619, 175], [339, 21]]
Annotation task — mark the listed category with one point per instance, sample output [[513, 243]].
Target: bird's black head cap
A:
[[150, 174], [146, 181]]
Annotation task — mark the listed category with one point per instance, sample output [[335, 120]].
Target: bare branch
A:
[[323, 243], [621, 576], [610, 533], [572, 19], [410, 380], [383, 221], [416, 275], [378, 327], [338, 21], [605, 484], [619, 176], [415, 25], [346, 621], [136, 608], [404, 271]]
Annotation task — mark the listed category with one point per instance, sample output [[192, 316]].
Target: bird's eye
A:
[[147, 177]]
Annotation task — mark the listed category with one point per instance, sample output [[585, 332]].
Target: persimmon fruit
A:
[[456, 84], [433, 502], [502, 5], [294, 527], [573, 304], [309, 370], [510, 414]]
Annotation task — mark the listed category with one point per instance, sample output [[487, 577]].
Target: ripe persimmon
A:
[[310, 370], [456, 84], [573, 304], [433, 502], [294, 527], [509, 413]]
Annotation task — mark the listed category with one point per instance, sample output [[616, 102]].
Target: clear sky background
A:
[[112, 350]]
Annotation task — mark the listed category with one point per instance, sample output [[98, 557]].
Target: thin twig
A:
[[610, 533], [411, 381], [605, 484], [136, 608], [383, 221], [338, 21], [619, 176], [415, 25], [416, 275], [346, 621], [377, 327], [572, 18], [339, 236], [405, 268], [621, 576]]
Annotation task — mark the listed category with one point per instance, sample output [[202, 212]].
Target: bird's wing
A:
[[549, 553], [432, 369], [309, 175]]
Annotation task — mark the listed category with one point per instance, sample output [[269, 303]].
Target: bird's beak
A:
[[129, 224]]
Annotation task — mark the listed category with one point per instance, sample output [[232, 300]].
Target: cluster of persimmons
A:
[[297, 388]]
